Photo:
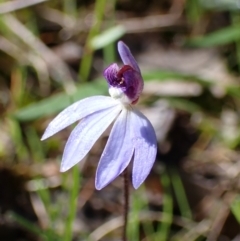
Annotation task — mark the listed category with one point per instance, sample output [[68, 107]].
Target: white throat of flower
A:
[[118, 94]]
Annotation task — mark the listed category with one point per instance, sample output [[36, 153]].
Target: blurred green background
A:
[[53, 53]]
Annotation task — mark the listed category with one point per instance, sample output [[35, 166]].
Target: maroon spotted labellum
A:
[[127, 78]]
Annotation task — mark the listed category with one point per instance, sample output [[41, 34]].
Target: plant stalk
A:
[[126, 203]]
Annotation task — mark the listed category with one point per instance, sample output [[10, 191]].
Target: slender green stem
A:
[[236, 21], [180, 194], [85, 65], [72, 204], [126, 204], [70, 7], [109, 50], [164, 227]]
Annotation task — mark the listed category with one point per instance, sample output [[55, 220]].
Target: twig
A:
[[137, 25], [29, 58], [117, 222], [11, 6], [58, 69], [40, 210], [131, 25]]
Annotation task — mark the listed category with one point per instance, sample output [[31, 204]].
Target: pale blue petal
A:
[[77, 111], [85, 134], [145, 147], [117, 153], [127, 56]]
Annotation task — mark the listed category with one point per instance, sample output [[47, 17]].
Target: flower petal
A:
[[77, 111], [117, 153], [127, 56], [110, 74], [134, 84], [145, 147], [85, 134]]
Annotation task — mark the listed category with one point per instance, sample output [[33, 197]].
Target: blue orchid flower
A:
[[132, 135]]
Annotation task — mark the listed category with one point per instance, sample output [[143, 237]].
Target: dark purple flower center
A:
[[119, 79], [125, 78]]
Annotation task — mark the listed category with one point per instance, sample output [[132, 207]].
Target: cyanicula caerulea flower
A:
[[132, 135]]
